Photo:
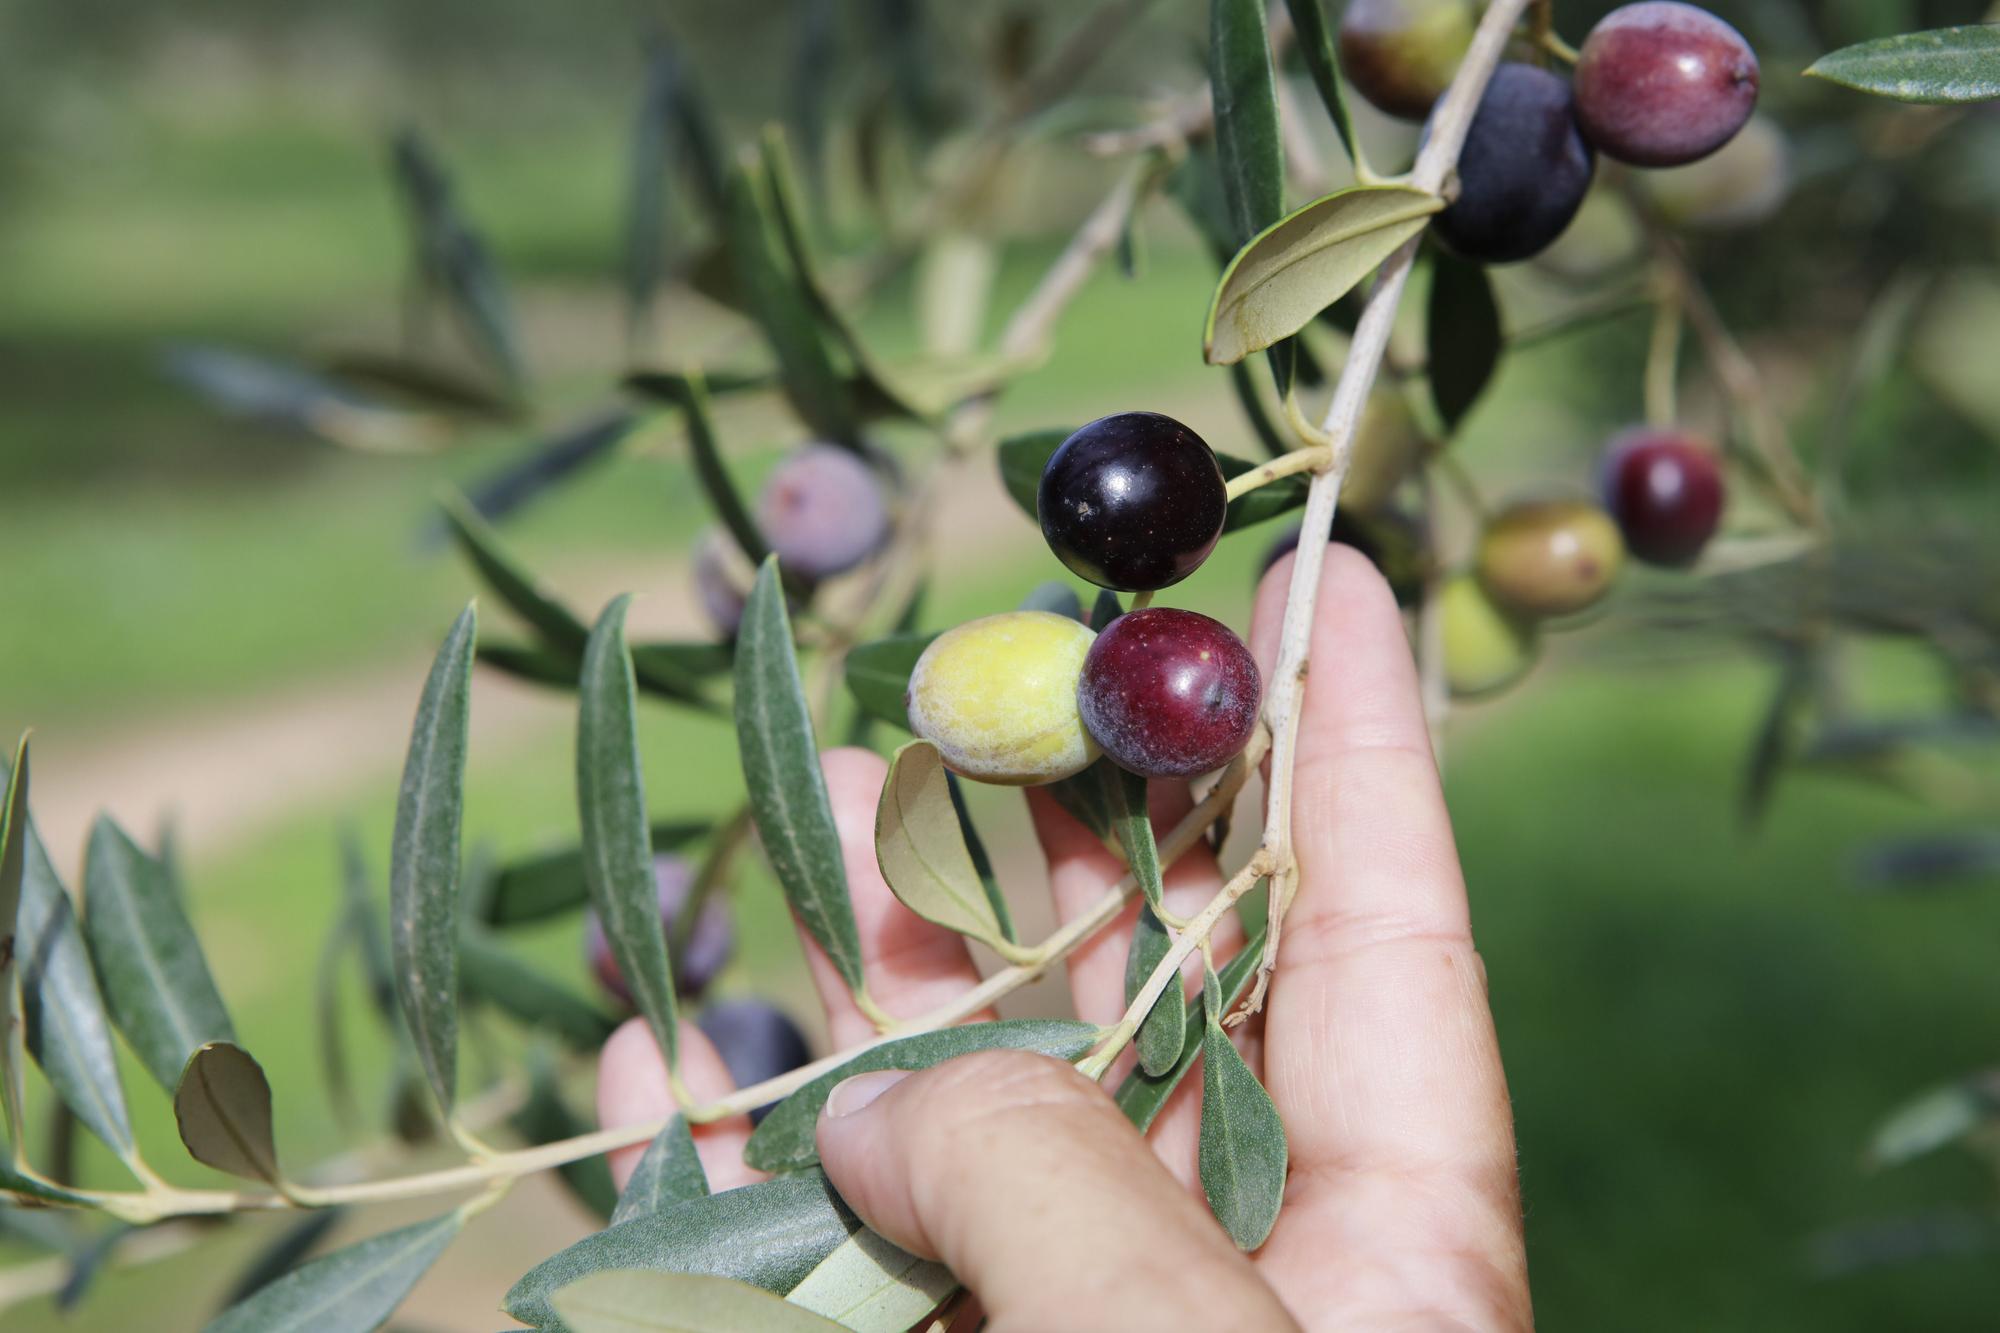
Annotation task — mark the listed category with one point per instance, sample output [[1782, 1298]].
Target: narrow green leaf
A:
[[1055, 597], [514, 586], [788, 798], [775, 292], [454, 258], [1242, 1152], [1142, 1097], [155, 979], [1082, 798], [636, 1301], [548, 884], [873, 376], [410, 382], [546, 1117], [668, 1173], [1463, 330], [1777, 735], [617, 841], [693, 660], [1164, 1030], [284, 1253], [29, 1188], [424, 861], [494, 975], [651, 166], [1315, 43], [1132, 824], [13, 866], [1252, 401], [351, 1290], [982, 864], [62, 1012], [1936, 1119], [1940, 67], [547, 464], [878, 675], [921, 847], [871, 1286], [1105, 609], [1023, 459], [1281, 280], [1249, 147], [671, 386], [223, 1107], [769, 1235], [713, 474], [784, 1141]]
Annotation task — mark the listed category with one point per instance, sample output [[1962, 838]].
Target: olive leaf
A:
[[1937, 1118], [547, 463], [713, 473], [1141, 1096], [669, 1172], [545, 1117], [1249, 146], [13, 867], [1463, 330], [872, 1286], [284, 1253], [357, 1287], [1281, 280], [155, 980], [62, 1011], [1940, 67], [770, 1235], [1242, 1152], [785, 1142], [1055, 597], [223, 1107], [1082, 799], [1163, 1031], [13, 1182], [921, 848], [1023, 459], [1929, 861], [878, 675], [788, 799], [496, 976], [776, 295], [651, 160], [982, 864], [547, 884], [1315, 43], [453, 258], [1132, 824], [424, 861], [514, 586], [636, 1301], [617, 842]]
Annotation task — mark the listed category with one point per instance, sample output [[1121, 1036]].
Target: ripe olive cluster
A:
[[1132, 503], [1656, 84]]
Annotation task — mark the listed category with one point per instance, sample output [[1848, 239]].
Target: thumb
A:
[[1023, 1178]]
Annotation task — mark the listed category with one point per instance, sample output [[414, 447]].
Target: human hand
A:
[[1376, 1044]]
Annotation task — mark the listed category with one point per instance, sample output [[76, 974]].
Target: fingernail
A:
[[859, 1093]]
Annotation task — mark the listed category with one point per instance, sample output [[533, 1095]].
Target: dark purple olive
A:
[[1524, 171], [755, 1040], [1133, 502]]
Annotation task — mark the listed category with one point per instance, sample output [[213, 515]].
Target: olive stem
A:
[[1141, 600], [1663, 357], [1434, 166], [1285, 465]]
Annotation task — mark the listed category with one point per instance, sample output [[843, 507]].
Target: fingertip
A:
[[632, 1089], [854, 780]]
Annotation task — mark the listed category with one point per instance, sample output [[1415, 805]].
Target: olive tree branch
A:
[[1434, 168]]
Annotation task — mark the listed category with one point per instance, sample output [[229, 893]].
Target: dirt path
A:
[[227, 768]]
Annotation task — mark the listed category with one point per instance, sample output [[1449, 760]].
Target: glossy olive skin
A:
[[1170, 693], [1666, 491], [1485, 649], [1393, 540], [708, 948], [1524, 172], [1401, 54], [1662, 84], [823, 511], [755, 1040], [1545, 558], [1133, 502]]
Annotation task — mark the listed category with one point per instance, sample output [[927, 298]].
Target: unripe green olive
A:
[[998, 698], [1545, 558], [1485, 649], [1401, 54], [1742, 184], [1388, 446]]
